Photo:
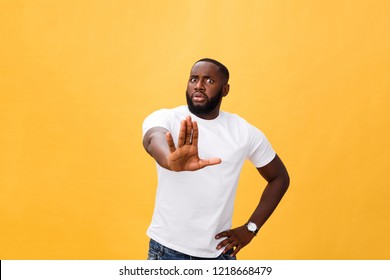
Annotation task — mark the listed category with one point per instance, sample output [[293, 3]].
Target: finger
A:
[[195, 133], [223, 243], [229, 247], [182, 134], [170, 142], [188, 130], [235, 251], [208, 162], [225, 233]]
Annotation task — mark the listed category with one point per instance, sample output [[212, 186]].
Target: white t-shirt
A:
[[191, 207]]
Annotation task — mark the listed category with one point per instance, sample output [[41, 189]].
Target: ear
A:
[[225, 90]]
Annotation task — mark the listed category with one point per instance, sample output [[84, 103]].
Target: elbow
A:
[[286, 181]]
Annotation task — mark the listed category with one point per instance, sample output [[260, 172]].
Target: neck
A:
[[210, 116], [206, 116]]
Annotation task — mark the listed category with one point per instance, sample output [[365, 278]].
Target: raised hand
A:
[[185, 156]]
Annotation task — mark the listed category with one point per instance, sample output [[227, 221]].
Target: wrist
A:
[[252, 227]]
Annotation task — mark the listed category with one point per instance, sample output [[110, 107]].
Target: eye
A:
[[210, 81], [193, 80]]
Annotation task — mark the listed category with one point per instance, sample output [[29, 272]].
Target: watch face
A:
[[252, 227]]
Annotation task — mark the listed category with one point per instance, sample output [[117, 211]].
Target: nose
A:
[[199, 85]]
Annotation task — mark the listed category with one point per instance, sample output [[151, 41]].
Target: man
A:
[[199, 151]]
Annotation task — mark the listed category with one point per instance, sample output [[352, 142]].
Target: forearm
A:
[[272, 195], [156, 145]]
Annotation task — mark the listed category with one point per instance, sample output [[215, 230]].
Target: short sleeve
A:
[[260, 152], [160, 118]]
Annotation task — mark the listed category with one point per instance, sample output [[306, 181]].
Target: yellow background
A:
[[77, 78]]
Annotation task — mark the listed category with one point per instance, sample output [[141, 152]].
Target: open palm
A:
[[185, 156]]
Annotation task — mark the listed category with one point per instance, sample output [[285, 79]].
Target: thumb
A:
[[208, 162]]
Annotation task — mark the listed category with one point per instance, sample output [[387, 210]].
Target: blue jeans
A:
[[160, 252]]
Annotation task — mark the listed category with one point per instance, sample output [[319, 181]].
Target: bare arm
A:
[[156, 145], [278, 180], [158, 142], [276, 175]]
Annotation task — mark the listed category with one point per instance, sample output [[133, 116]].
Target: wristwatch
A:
[[252, 227]]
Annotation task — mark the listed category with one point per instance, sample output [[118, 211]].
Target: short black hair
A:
[[222, 68]]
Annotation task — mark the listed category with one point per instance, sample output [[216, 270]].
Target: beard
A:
[[208, 107]]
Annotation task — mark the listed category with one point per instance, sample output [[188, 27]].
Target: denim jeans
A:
[[160, 252]]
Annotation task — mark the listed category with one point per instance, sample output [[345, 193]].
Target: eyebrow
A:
[[206, 76]]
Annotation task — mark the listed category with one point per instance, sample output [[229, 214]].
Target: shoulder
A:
[[165, 118], [234, 119], [167, 112], [245, 127]]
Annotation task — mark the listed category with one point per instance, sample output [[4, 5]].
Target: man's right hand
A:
[[185, 156], [158, 142]]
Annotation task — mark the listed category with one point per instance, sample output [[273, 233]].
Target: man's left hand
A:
[[236, 239]]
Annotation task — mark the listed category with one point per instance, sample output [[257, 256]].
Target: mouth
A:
[[198, 97]]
